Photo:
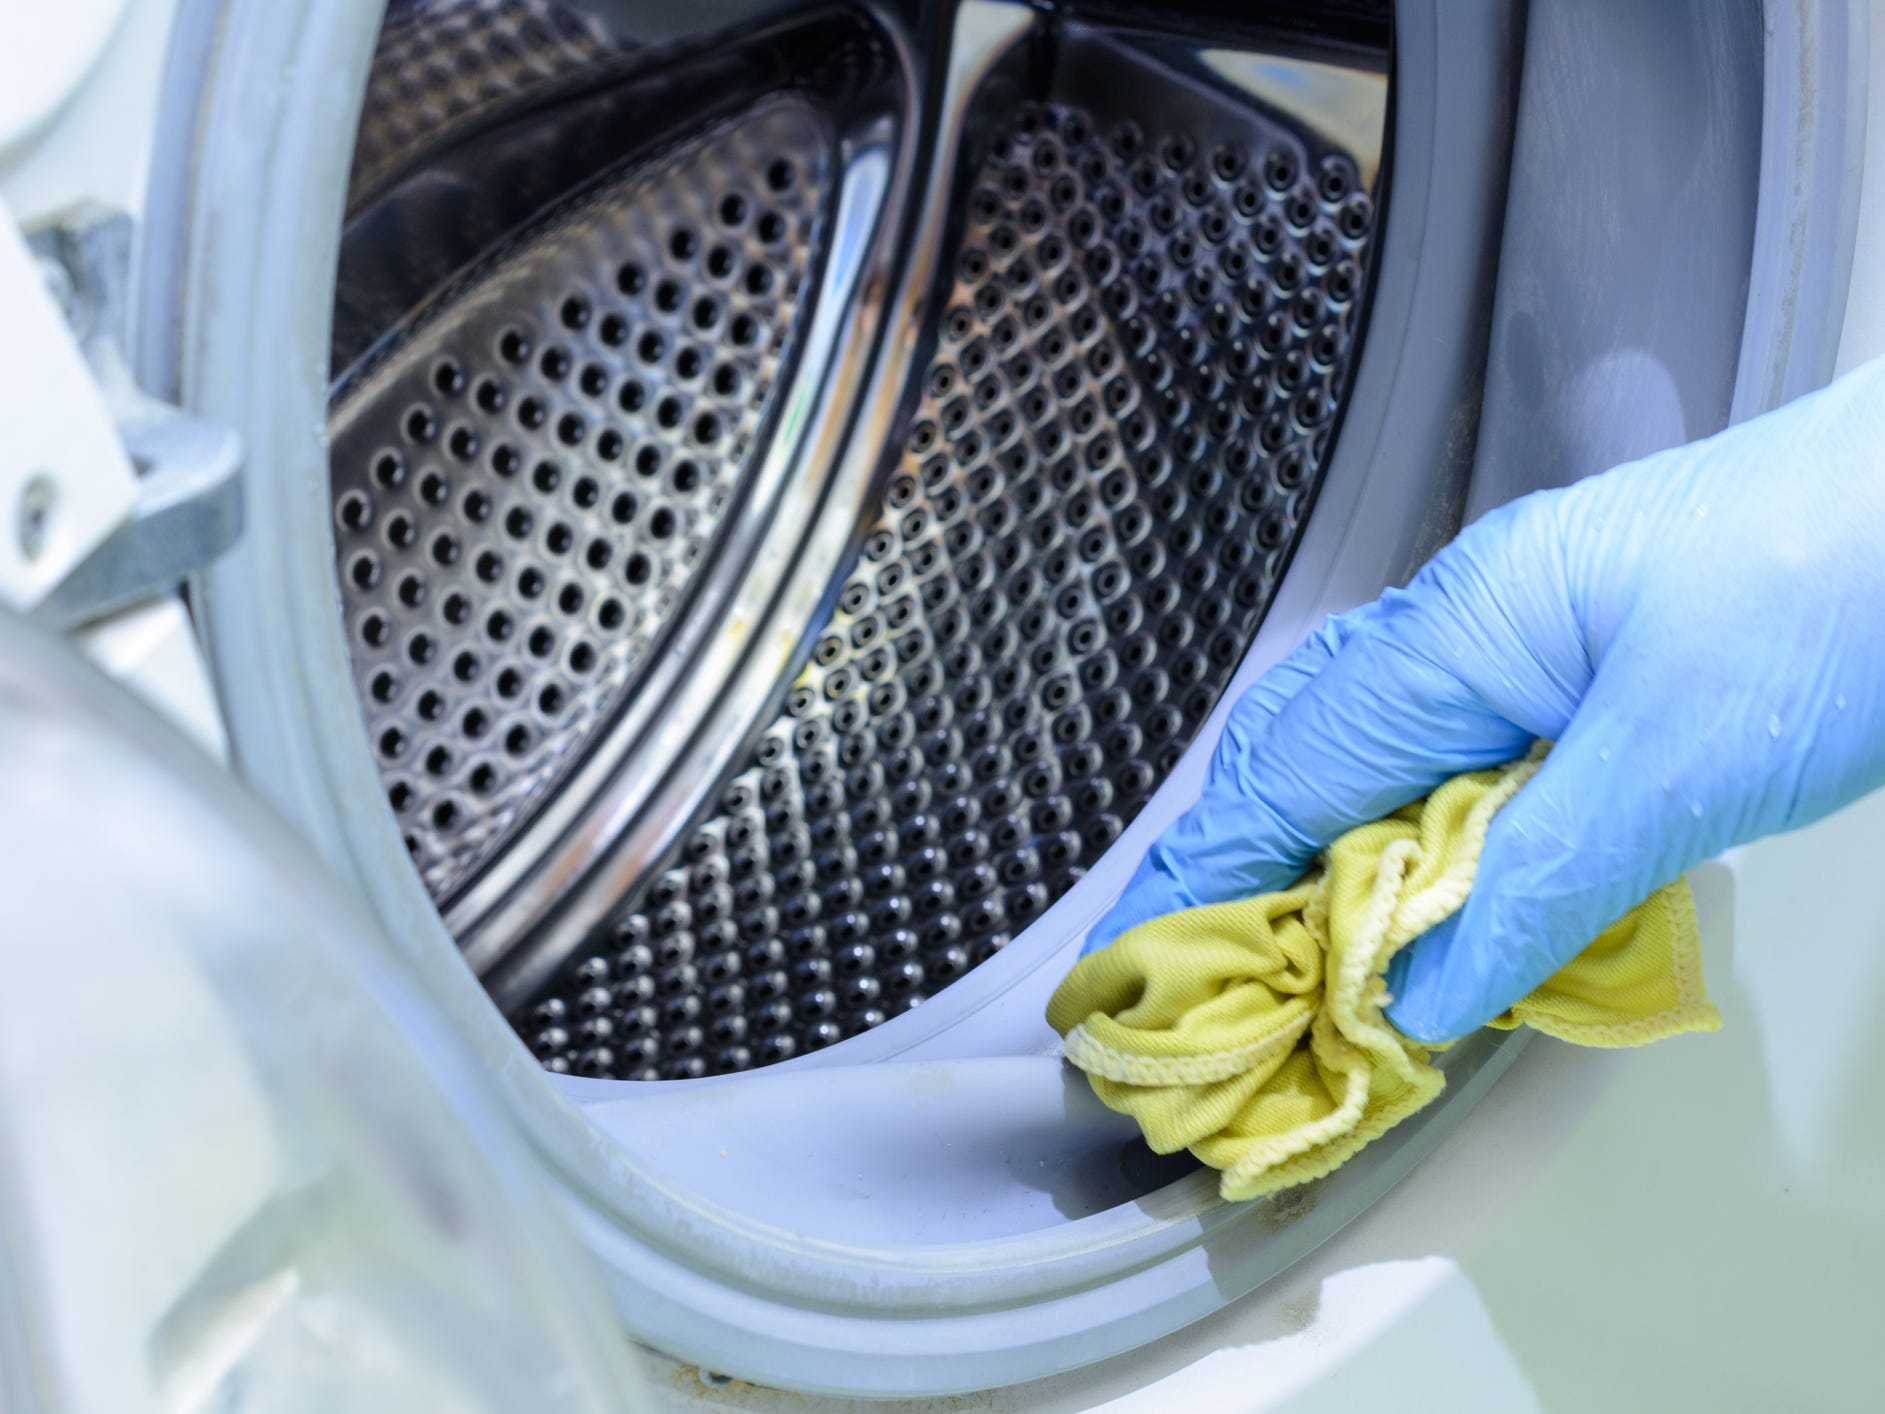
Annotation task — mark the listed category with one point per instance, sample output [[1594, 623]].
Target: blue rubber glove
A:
[[1702, 633]]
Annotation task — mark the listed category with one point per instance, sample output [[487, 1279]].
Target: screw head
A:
[[33, 515]]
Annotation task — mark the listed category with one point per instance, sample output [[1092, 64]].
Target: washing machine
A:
[[687, 551]]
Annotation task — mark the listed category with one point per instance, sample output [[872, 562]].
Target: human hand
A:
[[1702, 633]]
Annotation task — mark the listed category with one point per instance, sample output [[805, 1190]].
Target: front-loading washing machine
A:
[[728, 530]]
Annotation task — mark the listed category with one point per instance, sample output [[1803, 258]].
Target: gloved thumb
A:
[[1583, 842]]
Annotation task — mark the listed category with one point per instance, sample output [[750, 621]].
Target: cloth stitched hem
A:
[[1691, 1013], [1095, 1057]]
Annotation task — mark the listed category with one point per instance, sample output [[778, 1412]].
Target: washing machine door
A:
[[243, 1163], [757, 514]]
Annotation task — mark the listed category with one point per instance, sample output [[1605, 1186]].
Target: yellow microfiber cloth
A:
[[1252, 1032]]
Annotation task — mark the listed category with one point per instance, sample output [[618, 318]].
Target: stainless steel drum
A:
[[580, 339]]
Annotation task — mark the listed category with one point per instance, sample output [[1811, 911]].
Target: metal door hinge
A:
[[117, 496]]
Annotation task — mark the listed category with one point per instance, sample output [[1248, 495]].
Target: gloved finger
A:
[[1219, 848], [1583, 842], [1270, 693], [1388, 719]]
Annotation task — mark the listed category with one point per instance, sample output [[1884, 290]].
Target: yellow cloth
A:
[[1252, 1032]]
